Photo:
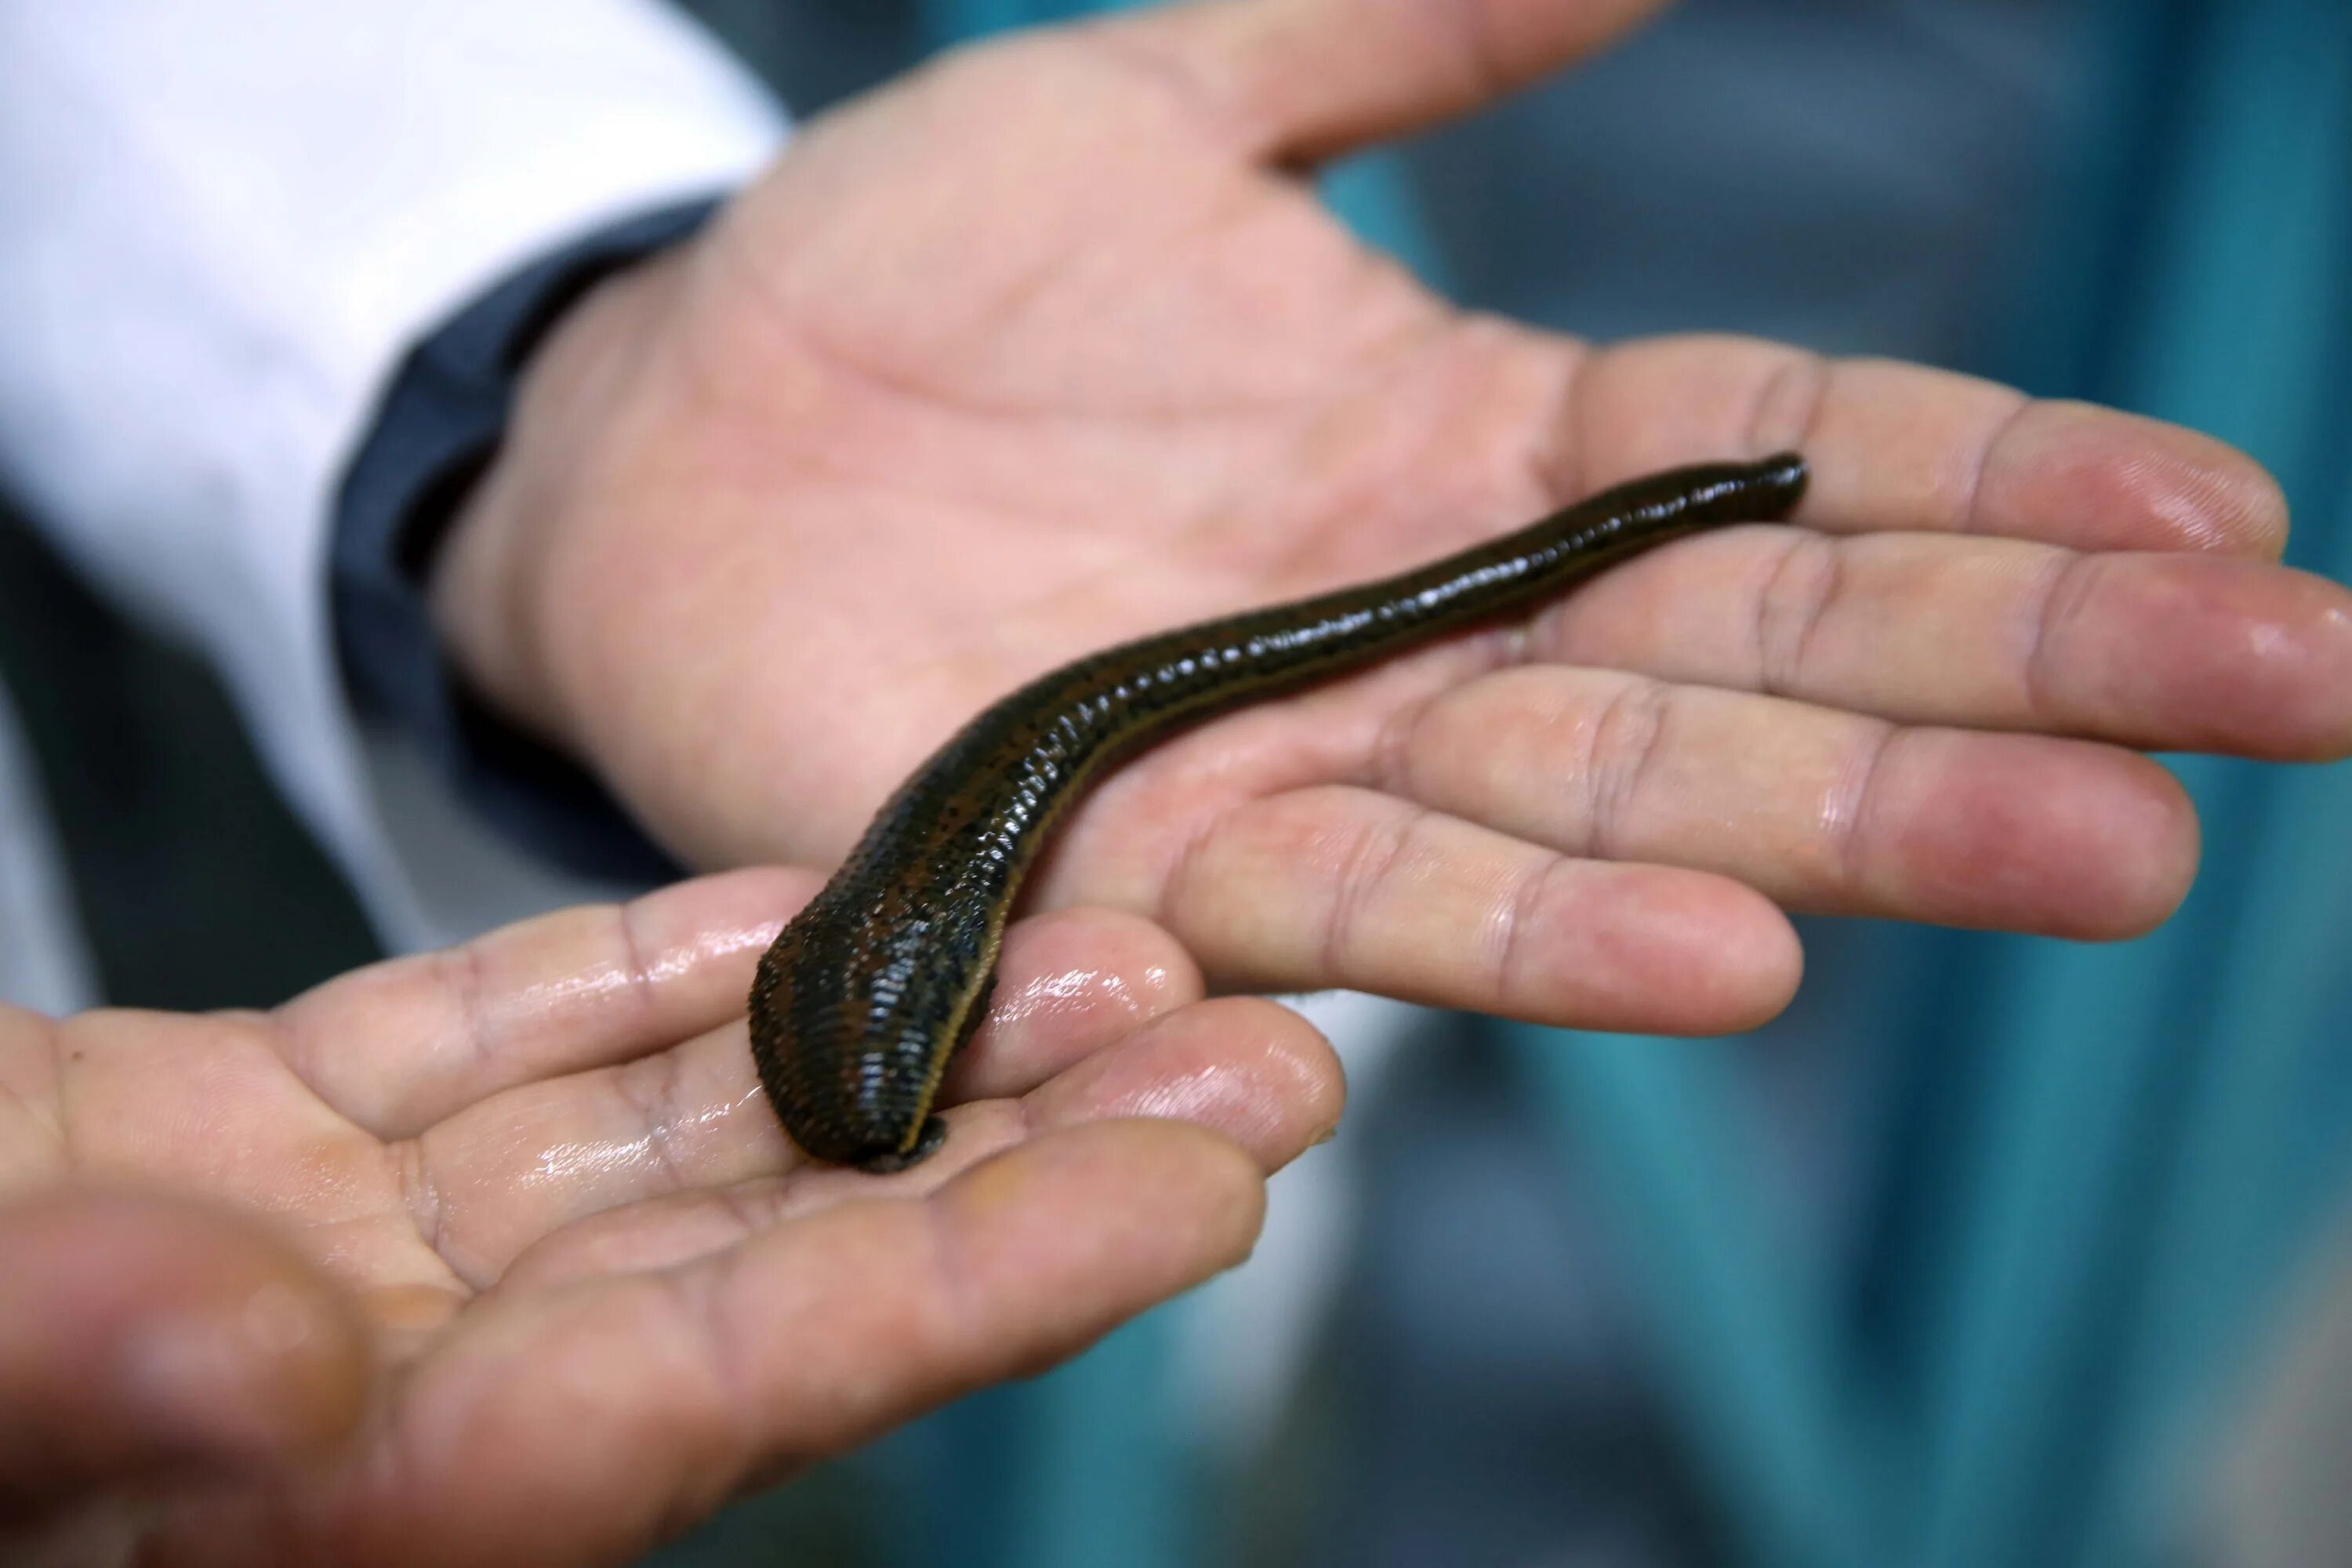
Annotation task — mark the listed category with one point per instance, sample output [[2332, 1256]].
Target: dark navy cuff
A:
[[435, 430]]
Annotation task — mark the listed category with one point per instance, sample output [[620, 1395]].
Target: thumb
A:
[[143, 1335], [1302, 80]]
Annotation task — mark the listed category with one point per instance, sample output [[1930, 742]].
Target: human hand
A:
[[1046, 347], [497, 1256]]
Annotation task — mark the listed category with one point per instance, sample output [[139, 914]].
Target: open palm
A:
[[1048, 346], [532, 1227]]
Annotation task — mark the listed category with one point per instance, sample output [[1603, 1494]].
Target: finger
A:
[[1249, 1070], [1246, 1069], [2169, 652], [142, 1335], [510, 1169], [547, 997], [1069, 982], [1899, 447], [1299, 80], [1817, 809], [1341, 888], [585, 1425]]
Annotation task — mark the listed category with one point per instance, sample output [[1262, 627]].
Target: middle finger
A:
[[2165, 651]]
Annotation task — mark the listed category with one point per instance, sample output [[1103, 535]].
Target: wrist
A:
[[493, 588], [438, 561]]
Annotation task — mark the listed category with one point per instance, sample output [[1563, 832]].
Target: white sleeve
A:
[[222, 223]]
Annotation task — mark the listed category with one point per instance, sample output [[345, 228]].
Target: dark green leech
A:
[[879, 981]]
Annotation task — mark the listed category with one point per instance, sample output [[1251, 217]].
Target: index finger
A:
[[1903, 447], [398, 1046]]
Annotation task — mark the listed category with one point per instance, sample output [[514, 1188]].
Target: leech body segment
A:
[[871, 989]]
